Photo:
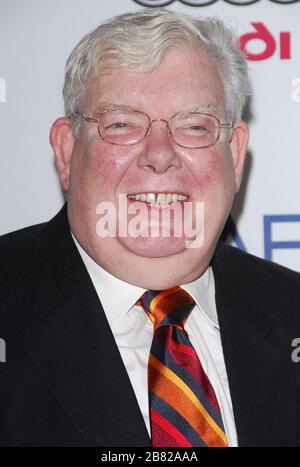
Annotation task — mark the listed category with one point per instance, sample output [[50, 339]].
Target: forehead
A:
[[184, 79]]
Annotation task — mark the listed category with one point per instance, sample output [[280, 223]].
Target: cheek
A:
[[101, 166], [214, 169]]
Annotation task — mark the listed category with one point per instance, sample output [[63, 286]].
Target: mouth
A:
[[158, 200]]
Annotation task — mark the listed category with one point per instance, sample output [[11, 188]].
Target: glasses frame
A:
[[219, 123]]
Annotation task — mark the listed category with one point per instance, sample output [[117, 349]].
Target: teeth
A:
[[150, 198], [160, 199]]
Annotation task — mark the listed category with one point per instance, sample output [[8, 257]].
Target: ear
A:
[[62, 141], [238, 145]]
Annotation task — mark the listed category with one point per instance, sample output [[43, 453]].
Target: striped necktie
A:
[[182, 403]]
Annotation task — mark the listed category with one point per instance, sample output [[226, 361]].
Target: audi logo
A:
[[160, 3]]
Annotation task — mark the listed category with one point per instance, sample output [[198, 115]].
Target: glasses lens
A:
[[123, 127], [194, 130]]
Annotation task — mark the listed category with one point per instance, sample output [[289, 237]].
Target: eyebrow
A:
[[208, 107], [108, 106]]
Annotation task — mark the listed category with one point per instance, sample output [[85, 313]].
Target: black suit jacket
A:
[[64, 382]]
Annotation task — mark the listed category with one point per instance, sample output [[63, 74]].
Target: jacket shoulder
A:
[[240, 258], [16, 252], [267, 277]]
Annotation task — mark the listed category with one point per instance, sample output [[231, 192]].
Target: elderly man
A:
[[127, 322]]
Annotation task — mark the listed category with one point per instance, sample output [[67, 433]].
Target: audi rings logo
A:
[[160, 3]]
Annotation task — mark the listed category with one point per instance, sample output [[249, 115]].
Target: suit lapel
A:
[[74, 349], [259, 371]]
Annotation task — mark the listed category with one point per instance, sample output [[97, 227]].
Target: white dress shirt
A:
[[133, 332]]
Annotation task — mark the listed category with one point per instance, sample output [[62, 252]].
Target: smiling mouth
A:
[[158, 200]]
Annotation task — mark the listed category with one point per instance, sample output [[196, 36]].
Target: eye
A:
[[194, 128], [198, 127], [119, 125]]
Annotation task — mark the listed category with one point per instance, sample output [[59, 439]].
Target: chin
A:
[[154, 247]]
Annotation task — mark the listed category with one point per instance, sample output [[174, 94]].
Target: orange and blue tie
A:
[[183, 406]]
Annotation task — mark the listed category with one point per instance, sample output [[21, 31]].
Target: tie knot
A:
[[167, 307]]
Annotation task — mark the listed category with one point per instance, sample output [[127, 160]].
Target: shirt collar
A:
[[118, 297], [202, 290]]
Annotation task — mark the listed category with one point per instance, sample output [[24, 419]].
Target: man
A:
[[153, 126]]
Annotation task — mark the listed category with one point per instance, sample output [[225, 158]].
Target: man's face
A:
[[100, 171]]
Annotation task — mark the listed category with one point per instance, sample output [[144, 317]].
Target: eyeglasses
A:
[[194, 130]]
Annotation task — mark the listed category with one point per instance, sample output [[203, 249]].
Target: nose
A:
[[159, 154]]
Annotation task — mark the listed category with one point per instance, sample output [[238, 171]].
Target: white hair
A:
[[138, 42]]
